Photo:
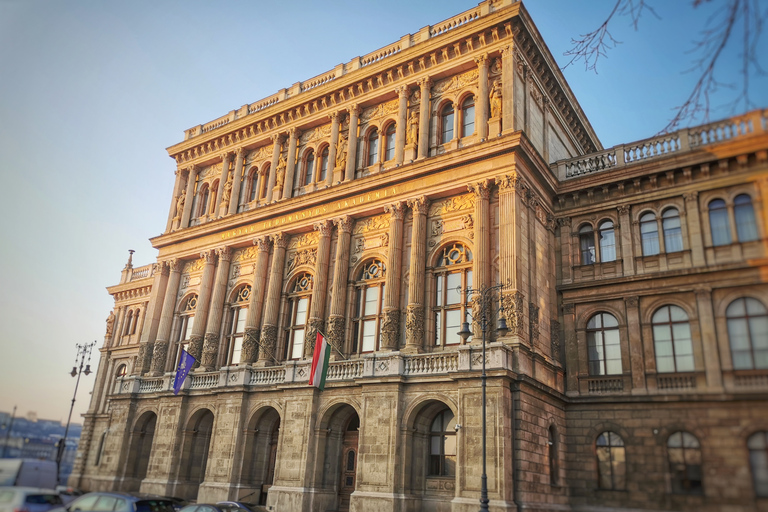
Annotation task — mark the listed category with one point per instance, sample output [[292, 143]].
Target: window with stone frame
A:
[[587, 245], [442, 445], [606, 239], [672, 340], [298, 308], [186, 321], [369, 299], [264, 182], [719, 225], [389, 142], [253, 185], [309, 167], [747, 322], [554, 467], [447, 115], [323, 170], [603, 345], [453, 277], [757, 444], [372, 147], [128, 322], [744, 215], [589, 241], [237, 317], [468, 116], [684, 454], [202, 203], [649, 234], [122, 371], [673, 234], [611, 461]]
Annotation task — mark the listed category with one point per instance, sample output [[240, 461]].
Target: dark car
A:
[[241, 506], [118, 502]]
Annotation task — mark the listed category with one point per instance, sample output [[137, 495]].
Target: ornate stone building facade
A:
[[364, 203]]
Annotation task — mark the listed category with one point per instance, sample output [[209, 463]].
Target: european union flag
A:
[[185, 364]]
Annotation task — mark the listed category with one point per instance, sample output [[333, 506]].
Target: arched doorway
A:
[[348, 470], [194, 457], [432, 451], [261, 453], [338, 473], [140, 449]]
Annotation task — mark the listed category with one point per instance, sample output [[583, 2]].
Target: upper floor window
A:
[[373, 146], [299, 310], [672, 340], [389, 142], [747, 321], [744, 213], [673, 234], [684, 454], [468, 116], [122, 371], [446, 123], [453, 276], [552, 455], [718, 222], [323, 165], [587, 244], [369, 294], [611, 461], [238, 316], [757, 444], [607, 238], [442, 445], [649, 234], [253, 182], [203, 201], [309, 167], [185, 324], [128, 323], [603, 345], [264, 183]]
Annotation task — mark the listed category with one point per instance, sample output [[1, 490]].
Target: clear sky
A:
[[93, 91]]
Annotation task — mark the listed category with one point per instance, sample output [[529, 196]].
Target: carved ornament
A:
[[379, 111], [371, 224], [304, 257], [456, 82], [324, 228], [481, 189], [344, 224], [452, 204], [306, 240], [317, 134], [280, 240]]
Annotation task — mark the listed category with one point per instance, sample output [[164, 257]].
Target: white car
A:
[[28, 499]]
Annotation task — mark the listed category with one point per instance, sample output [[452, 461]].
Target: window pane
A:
[[587, 244], [298, 344], [439, 301], [746, 229], [468, 117], [607, 245], [373, 147], [447, 124], [242, 315], [609, 321], [309, 168], [301, 312], [650, 237], [237, 350], [390, 147], [453, 289], [371, 301], [452, 326], [718, 223], [369, 336], [188, 330], [450, 444]]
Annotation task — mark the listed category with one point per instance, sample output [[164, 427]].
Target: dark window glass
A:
[[309, 168], [672, 340], [373, 147], [684, 463], [323, 165], [603, 345], [758, 462], [389, 150], [649, 234], [747, 321], [607, 239], [746, 228], [718, 223], [611, 461], [673, 235], [442, 445], [446, 123], [587, 245], [468, 116]]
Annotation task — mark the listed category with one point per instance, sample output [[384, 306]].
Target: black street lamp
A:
[[83, 358], [485, 296]]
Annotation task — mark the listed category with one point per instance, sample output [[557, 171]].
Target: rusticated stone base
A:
[[335, 333], [267, 344], [196, 348], [159, 356], [210, 351], [414, 327], [250, 345], [390, 330]]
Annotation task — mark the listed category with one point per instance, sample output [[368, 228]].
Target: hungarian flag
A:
[[185, 364], [320, 362]]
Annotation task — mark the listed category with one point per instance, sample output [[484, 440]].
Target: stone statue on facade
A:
[[280, 171], [413, 129], [180, 203], [495, 99], [110, 324], [341, 152], [226, 193]]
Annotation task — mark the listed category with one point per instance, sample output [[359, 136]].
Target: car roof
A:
[[27, 489]]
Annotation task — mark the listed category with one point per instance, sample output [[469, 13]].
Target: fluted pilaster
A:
[[425, 88], [337, 320], [354, 112], [390, 326], [320, 287], [256, 301], [290, 169], [481, 102], [401, 127], [213, 327], [203, 302], [160, 350], [234, 201], [415, 315], [268, 340]]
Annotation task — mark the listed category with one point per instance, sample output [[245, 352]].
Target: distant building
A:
[[363, 203]]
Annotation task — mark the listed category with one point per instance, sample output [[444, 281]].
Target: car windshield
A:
[[43, 499], [155, 506]]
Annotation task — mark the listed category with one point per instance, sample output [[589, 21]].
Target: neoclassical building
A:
[[372, 203]]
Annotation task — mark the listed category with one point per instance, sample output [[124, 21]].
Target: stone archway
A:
[[340, 455], [194, 455], [140, 444], [260, 453]]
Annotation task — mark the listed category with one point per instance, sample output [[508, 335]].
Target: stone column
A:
[[225, 159], [337, 318], [481, 265], [709, 338], [191, 179], [320, 287], [511, 192], [402, 120], [481, 102], [625, 228], [237, 179], [508, 88], [176, 191], [277, 141], [414, 313], [256, 301], [152, 318], [329, 179], [201, 311], [571, 350], [162, 345], [424, 115], [119, 326], [565, 249], [349, 174], [268, 340], [636, 359], [213, 326], [290, 169], [694, 229], [390, 324]]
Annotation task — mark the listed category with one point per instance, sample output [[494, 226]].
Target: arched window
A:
[[607, 239], [684, 454], [468, 116], [323, 165], [611, 461], [212, 197], [122, 371], [673, 235], [649, 234], [373, 146], [552, 455], [369, 294], [264, 182], [299, 310], [746, 228], [389, 142], [253, 180], [239, 313], [603, 345], [309, 167], [453, 275], [442, 445], [672, 340], [747, 321], [128, 321], [446, 123], [757, 444], [718, 223], [186, 322], [135, 323], [204, 194], [587, 244]]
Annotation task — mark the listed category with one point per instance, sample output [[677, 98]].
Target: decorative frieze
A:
[[452, 204], [369, 224]]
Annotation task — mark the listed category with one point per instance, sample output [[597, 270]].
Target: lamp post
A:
[[83, 358], [486, 295]]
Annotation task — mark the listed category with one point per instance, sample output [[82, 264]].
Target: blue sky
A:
[[93, 91]]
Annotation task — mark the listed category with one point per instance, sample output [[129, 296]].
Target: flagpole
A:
[[332, 345]]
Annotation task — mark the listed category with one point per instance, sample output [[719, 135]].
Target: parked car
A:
[[210, 507], [68, 493], [28, 499], [118, 502], [240, 505]]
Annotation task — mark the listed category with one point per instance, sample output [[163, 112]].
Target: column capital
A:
[[159, 268], [419, 205], [225, 155], [691, 196], [510, 182], [506, 51], [402, 90], [209, 256], [277, 138], [344, 224], [334, 115], [424, 82], [482, 60], [324, 227], [224, 253], [263, 243], [280, 240], [293, 132], [173, 264], [354, 109], [564, 221], [396, 210], [481, 189], [240, 152], [703, 292], [623, 209], [632, 301], [192, 169]]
